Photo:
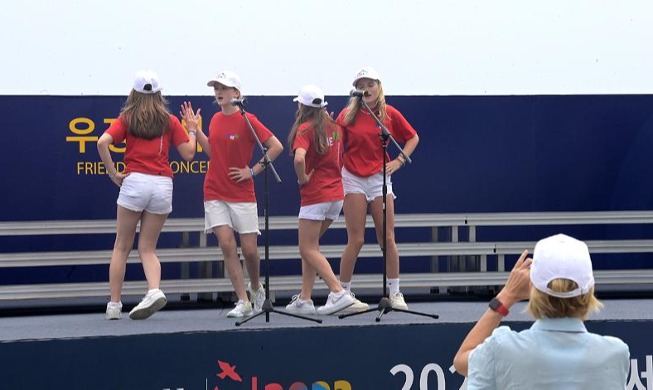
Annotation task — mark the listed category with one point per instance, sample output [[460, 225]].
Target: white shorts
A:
[[321, 211], [242, 217], [371, 186], [142, 192]]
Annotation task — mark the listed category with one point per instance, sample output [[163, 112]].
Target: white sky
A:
[[430, 47]]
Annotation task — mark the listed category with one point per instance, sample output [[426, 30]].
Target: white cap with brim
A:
[[147, 81], [562, 257], [312, 96], [366, 73], [226, 78]]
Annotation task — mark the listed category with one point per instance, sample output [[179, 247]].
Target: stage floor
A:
[[178, 320]]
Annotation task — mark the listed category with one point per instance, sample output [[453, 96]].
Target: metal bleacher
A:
[[204, 254]]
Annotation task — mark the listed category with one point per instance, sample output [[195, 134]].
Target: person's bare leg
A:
[[249, 246], [227, 242], [151, 225], [309, 248], [355, 210], [126, 221], [392, 254]]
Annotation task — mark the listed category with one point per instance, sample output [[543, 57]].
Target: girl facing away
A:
[[316, 144], [149, 130]]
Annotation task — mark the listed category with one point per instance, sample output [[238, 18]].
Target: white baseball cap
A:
[[226, 78], [366, 73], [562, 257], [146, 81], [312, 96]]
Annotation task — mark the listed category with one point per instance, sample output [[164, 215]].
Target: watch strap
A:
[[497, 306]]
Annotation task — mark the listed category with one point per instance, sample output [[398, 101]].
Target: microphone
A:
[[238, 102], [357, 93]]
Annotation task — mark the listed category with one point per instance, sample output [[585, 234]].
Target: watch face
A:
[[497, 306]]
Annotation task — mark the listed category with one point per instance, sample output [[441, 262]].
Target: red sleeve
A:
[[262, 132], [341, 122], [177, 131], [303, 138], [401, 129], [341, 118], [117, 130]]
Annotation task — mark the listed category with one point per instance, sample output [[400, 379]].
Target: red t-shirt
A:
[[362, 142], [232, 145], [150, 156], [326, 182]]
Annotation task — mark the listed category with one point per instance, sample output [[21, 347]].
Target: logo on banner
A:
[[228, 376]]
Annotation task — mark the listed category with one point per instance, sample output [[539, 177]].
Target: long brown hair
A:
[[146, 114], [321, 121], [355, 105]]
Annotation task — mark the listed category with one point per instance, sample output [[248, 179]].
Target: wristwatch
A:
[[497, 306]]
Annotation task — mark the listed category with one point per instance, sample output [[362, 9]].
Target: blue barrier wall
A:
[[389, 357]]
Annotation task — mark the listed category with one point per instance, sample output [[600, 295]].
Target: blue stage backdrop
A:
[[476, 154]]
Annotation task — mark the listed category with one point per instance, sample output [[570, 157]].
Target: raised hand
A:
[[192, 118], [518, 285]]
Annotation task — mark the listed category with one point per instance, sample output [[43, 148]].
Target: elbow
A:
[[102, 145], [460, 364]]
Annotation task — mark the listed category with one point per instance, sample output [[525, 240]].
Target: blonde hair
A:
[[354, 106], [146, 115], [321, 121], [542, 305]]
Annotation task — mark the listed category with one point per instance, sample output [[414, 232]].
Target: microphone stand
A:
[[267, 304], [385, 305]]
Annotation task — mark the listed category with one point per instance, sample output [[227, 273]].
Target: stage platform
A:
[[201, 348]]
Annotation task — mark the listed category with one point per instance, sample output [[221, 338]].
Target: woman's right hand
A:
[[305, 180], [192, 118], [118, 178]]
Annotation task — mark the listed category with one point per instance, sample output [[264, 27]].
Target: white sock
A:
[[339, 293], [346, 286], [393, 284]]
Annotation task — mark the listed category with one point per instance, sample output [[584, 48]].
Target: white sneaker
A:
[[257, 297], [152, 302], [242, 309], [114, 311], [301, 306], [336, 302], [397, 300], [358, 306]]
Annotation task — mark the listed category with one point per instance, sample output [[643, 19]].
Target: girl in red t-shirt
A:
[[229, 198], [363, 180], [316, 144], [149, 131]]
